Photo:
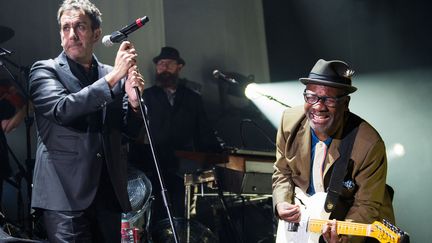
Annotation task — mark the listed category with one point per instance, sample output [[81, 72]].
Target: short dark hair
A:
[[89, 9]]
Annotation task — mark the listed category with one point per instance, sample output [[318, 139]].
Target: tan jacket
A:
[[367, 201]]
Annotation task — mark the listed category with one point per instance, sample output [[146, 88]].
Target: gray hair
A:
[[85, 5]]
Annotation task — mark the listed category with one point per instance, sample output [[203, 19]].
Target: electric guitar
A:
[[314, 217]]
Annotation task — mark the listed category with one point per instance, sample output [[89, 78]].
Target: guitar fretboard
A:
[[343, 227], [350, 228]]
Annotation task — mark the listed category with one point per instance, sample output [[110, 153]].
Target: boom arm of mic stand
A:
[[274, 99], [164, 191]]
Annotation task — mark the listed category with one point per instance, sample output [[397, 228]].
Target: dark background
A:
[[372, 36]]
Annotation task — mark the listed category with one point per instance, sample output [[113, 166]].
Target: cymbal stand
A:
[[194, 179], [188, 181]]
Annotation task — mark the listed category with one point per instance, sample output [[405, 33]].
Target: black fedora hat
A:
[[331, 73], [169, 53]]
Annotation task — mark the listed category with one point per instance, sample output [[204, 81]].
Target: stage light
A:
[[396, 151], [252, 91], [271, 98]]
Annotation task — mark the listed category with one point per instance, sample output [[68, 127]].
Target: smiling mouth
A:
[[319, 119]]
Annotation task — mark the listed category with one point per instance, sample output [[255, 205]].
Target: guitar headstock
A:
[[387, 232]]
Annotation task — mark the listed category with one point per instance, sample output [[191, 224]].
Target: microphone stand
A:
[[164, 191], [274, 99]]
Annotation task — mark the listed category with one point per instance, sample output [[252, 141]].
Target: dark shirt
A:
[[94, 120], [86, 78]]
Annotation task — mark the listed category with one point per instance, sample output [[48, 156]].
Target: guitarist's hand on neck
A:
[[288, 212], [330, 234]]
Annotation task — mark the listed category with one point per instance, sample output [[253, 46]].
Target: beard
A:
[[166, 79], [323, 127]]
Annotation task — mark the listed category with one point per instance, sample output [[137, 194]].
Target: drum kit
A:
[[140, 196]]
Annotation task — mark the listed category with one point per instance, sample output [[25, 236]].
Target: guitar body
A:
[[311, 207], [314, 217]]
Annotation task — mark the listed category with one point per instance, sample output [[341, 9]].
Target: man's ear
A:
[[180, 67], [97, 34]]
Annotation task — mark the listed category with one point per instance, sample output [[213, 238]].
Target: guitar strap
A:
[[340, 166]]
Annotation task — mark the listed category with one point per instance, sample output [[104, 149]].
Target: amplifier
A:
[[244, 182]]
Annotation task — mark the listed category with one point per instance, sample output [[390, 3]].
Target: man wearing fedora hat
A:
[[311, 139], [177, 121]]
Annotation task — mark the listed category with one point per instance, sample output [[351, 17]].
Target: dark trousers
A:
[[101, 222], [82, 226]]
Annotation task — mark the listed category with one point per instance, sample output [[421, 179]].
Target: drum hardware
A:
[[201, 177], [209, 178], [25, 173], [190, 231]]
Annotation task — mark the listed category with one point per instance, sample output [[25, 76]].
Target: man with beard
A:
[[323, 122], [177, 122]]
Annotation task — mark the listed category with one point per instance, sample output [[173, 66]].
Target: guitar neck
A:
[[343, 227]]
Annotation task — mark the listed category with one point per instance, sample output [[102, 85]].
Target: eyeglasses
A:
[[328, 101]]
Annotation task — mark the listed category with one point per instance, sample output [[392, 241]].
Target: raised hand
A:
[[125, 59], [134, 79]]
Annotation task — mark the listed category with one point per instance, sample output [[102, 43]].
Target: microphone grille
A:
[[107, 41], [216, 73]]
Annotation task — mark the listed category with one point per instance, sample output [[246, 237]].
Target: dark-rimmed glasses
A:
[[167, 63], [328, 100]]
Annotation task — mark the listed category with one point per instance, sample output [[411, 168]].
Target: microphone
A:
[[219, 75], [120, 35]]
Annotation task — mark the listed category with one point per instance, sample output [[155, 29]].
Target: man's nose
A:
[[320, 105], [72, 34], [162, 67]]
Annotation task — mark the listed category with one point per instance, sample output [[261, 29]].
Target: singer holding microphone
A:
[[83, 110]]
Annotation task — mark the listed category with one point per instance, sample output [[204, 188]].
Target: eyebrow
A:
[[75, 23], [313, 93]]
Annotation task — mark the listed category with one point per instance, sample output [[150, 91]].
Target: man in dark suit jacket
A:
[[177, 121], [83, 109]]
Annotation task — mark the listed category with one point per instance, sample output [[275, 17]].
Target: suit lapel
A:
[[305, 154], [333, 155], [298, 153], [70, 82], [102, 71]]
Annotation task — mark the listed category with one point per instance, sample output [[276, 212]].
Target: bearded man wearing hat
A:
[[313, 139], [178, 122]]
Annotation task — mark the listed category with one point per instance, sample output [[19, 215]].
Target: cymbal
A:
[[5, 33]]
